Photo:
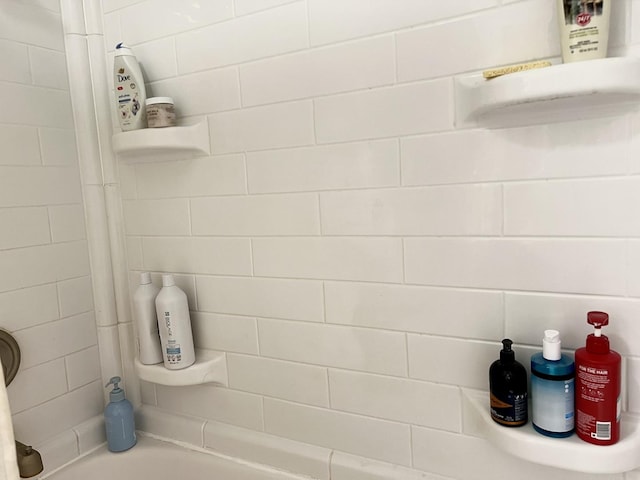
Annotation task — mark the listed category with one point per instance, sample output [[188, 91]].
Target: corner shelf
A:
[[158, 144], [210, 367], [570, 91], [568, 453]]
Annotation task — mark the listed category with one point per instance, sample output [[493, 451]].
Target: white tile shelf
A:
[[159, 144], [564, 92], [568, 453], [210, 367]]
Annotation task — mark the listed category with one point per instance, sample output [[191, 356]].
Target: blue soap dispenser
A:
[[118, 419], [552, 388]]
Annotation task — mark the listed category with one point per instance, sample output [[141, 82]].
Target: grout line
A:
[[330, 403], [252, 273], [330, 463], [503, 195], [411, 459], [308, 17], [394, 38]]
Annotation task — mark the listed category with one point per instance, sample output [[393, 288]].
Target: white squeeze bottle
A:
[[146, 321], [175, 326], [129, 88]]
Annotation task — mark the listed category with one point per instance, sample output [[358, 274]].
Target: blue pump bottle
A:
[[118, 419], [552, 388]]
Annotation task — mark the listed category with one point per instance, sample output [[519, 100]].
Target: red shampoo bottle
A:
[[598, 387]]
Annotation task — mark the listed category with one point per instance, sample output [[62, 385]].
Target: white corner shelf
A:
[[568, 453], [210, 367], [159, 144], [570, 91]]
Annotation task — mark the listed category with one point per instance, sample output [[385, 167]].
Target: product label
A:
[[162, 115], [167, 323], [174, 353], [598, 410], [552, 404], [128, 97], [593, 383], [580, 17], [511, 410]]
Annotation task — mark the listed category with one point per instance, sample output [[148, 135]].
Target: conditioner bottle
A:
[[598, 403], [552, 388], [146, 321], [508, 389], [175, 326]]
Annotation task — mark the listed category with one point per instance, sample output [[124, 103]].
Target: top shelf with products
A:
[[564, 92]]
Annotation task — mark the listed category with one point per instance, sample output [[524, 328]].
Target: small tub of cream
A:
[[160, 112]]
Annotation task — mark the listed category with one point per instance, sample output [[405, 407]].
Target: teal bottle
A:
[[118, 419], [552, 389]]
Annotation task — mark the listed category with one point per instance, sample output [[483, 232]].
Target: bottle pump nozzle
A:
[[114, 381], [598, 320], [506, 354], [117, 393], [551, 345]]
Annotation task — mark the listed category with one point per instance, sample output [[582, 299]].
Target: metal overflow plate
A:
[[9, 355]]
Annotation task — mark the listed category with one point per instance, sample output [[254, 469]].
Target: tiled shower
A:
[[356, 252]]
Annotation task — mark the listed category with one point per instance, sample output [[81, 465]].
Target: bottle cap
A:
[[158, 100], [598, 320], [551, 345], [596, 342], [167, 280], [506, 354], [145, 278], [122, 49], [117, 393]]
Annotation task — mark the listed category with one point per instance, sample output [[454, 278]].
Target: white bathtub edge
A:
[[258, 450], [278, 452], [268, 452]]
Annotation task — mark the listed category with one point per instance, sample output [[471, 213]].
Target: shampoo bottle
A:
[[130, 92], [175, 325], [118, 419], [598, 403], [146, 321], [508, 388], [552, 388]]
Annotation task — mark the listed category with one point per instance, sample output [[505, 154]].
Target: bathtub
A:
[[153, 459]]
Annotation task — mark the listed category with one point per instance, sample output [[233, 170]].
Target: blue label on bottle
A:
[[174, 354], [552, 404]]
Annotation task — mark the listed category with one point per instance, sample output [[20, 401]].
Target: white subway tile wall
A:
[[356, 255], [45, 285]]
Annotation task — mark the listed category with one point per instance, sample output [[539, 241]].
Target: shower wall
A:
[[357, 255], [45, 284]]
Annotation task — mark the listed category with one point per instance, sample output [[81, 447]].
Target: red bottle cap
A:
[[596, 342]]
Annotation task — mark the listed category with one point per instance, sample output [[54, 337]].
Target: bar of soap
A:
[[497, 72]]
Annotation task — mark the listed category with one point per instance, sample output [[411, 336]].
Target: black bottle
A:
[[508, 389]]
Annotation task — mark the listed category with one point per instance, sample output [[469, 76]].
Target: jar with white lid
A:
[[160, 112]]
